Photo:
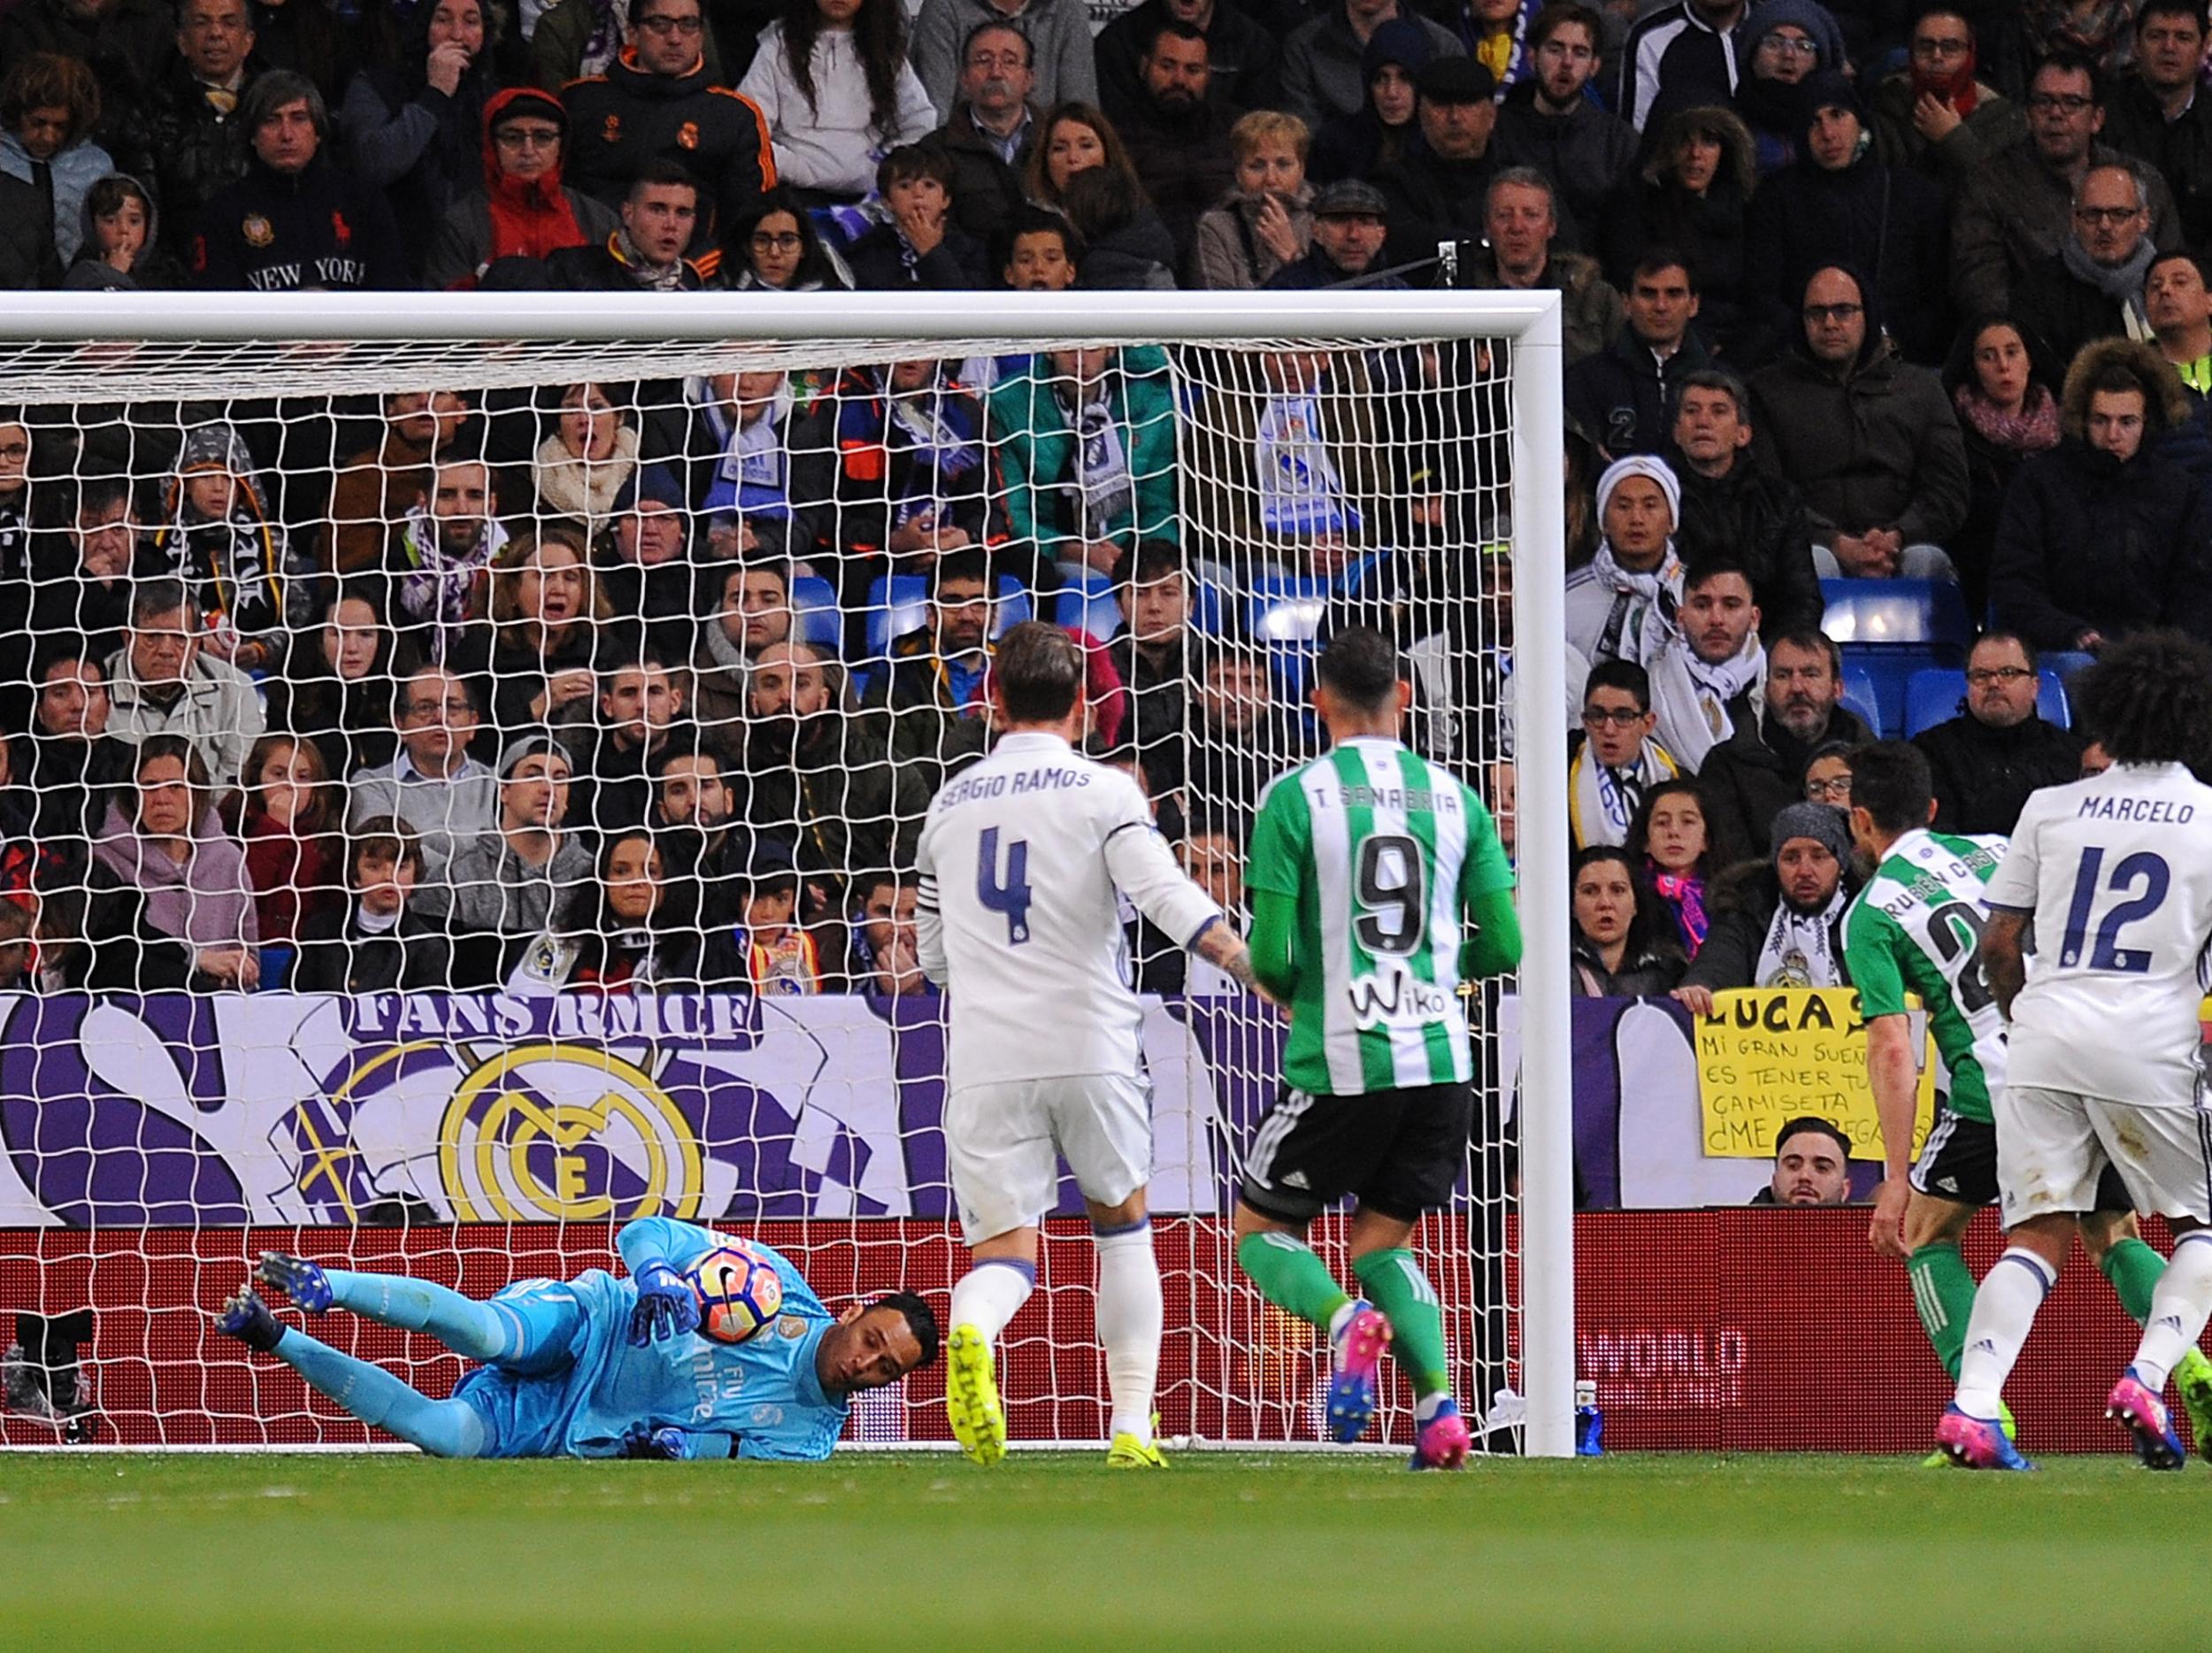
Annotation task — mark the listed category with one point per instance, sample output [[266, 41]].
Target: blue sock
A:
[[463, 1325], [444, 1428]]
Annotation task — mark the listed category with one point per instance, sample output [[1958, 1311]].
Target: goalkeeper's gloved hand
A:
[[666, 1305], [644, 1441]]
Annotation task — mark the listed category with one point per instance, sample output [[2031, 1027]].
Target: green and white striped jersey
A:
[[1384, 852], [1912, 929]]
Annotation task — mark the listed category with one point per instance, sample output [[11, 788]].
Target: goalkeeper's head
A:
[[2148, 699], [1361, 685], [876, 1343], [1037, 677]]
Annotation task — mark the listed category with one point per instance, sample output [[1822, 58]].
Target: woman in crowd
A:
[[93, 936], [1828, 775], [377, 941], [832, 78], [1368, 143], [49, 107], [550, 630], [1127, 247], [1074, 138], [580, 467], [2001, 386], [336, 690], [1263, 223], [285, 812], [516, 207], [775, 248], [1692, 194], [165, 838], [636, 926], [417, 132], [1623, 944], [1671, 842], [120, 251]]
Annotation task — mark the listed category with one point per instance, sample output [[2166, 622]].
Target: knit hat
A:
[[1815, 19], [1400, 40], [1823, 823], [1640, 464], [1826, 90]]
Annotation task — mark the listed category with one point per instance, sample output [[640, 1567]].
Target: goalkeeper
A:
[[598, 1366]]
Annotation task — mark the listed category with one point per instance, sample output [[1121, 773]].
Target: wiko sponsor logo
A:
[[1389, 1000]]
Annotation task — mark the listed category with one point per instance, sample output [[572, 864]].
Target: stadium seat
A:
[[1205, 608], [1860, 696], [1925, 614], [815, 617], [1285, 611], [1086, 603], [1935, 694]]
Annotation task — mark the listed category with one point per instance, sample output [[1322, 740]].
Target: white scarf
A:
[[1798, 951], [585, 489], [1692, 697], [1601, 801], [1301, 492], [1642, 616], [1106, 495]]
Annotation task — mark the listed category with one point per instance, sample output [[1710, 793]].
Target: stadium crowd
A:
[[604, 686]]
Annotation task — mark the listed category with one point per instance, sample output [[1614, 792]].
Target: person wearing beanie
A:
[[523, 210], [1778, 922], [1323, 67], [1937, 116], [1370, 139], [1622, 606]]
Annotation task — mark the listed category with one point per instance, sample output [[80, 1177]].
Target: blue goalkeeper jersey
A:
[[758, 1399]]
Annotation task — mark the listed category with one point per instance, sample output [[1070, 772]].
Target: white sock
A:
[[2179, 1308], [2004, 1312], [1129, 1316], [991, 1294]]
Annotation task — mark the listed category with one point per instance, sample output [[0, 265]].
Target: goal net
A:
[[461, 794]]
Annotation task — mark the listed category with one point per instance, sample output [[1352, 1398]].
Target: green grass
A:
[[1224, 1551]]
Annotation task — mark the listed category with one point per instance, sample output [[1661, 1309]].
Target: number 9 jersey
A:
[[2118, 871]]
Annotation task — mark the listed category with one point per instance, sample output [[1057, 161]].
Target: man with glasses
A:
[[2019, 207], [1614, 758], [2156, 115], [655, 102], [1936, 115], [523, 210], [1986, 760], [433, 785], [1547, 121], [163, 682], [2092, 287], [989, 135]]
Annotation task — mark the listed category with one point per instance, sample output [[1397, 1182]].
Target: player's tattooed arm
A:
[[2003, 965], [1222, 948]]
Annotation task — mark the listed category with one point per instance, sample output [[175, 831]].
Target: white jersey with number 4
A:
[[2117, 870], [1021, 857]]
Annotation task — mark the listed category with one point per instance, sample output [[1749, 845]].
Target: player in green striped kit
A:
[[1914, 928], [1378, 886]]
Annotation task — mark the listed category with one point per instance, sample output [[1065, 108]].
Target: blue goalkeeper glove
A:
[[666, 1305], [644, 1441]]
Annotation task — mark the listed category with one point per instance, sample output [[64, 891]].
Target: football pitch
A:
[[1055, 1550]]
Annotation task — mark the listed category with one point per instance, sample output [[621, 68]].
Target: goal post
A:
[[1471, 381]]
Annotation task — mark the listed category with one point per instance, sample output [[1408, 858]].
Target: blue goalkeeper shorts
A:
[[568, 1331]]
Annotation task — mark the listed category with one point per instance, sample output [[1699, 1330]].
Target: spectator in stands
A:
[[1127, 248], [913, 476], [638, 925], [415, 130], [694, 818], [180, 137], [1059, 35], [1793, 41], [1937, 115], [660, 216], [551, 630], [641, 702], [69, 765], [1350, 221], [285, 813], [1624, 397], [1618, 605], [1244, 56], [1706, 671], [1692, 193], [223, 541], [16, 487], [657, 101], [375, 488], [1178, 135], [1828, 775], [1325, 69], [934, 685], [2102, 535], [1085, 443], [163, 838], [2007, 410], [49, 107], [500, 890], [752, 611], [1684, 54], [575, 39], [1371, 140], [1520, 225], [338, 681], [885, 959], [762, 464], [120, 252], [1240, 738], [1812, 1165], [432, 785], [2100, 34], [990, 133], [1732, 507], [377, 940], [1675, 842], [2017, 211], [2092, 287], [776, 248], [1884, 498], [832, 78], [81, 577], [513, 204], [1077, 138], [782, 956], [1778, 922], [1986, 760], [922, 245], [1623, 944], [1614, 756], [124, 43], [1155, 656], [2178, 304], [654, 572], [164, 681], [443, 554], [1548, 120], [2153, 112], [1836, 205], [294, 221], [1441, 189], [1752, 776], [585, 460]]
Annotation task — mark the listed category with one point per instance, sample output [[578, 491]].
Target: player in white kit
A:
[[1020, 859], [2116, 874]]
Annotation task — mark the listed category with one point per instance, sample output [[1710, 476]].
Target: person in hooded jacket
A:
[[416, 131], [1372, 138], [220, 539], [121, 252], [58, 158], [1692, 194], [520, 209]]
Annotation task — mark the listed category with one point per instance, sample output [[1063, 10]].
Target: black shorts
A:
[[1397, 1151], [1959, 1162]]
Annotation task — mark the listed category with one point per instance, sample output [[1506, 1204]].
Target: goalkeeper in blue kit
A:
[[599, 1366]]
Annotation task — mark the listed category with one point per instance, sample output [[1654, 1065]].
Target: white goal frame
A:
[[41, 329]]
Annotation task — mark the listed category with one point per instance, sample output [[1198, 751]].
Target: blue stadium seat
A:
[[1860, 696], [1205, 608], [1935, 696], [899, 604], [1094, 609], [1015, 605], [815, 617], [1925, 614], [1285, 611]]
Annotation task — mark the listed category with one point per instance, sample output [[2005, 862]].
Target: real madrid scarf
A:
[[1799, 951], [1601, 800]]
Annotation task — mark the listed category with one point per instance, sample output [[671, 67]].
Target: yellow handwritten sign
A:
[[1767, 1055]]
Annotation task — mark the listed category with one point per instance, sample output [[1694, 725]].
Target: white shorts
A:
[[1004, 1144], [2053, 1145]]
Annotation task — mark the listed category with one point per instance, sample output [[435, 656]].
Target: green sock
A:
[[1291, 1277], [1396, 1286], [1943, 1292], [2133, 1268]]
